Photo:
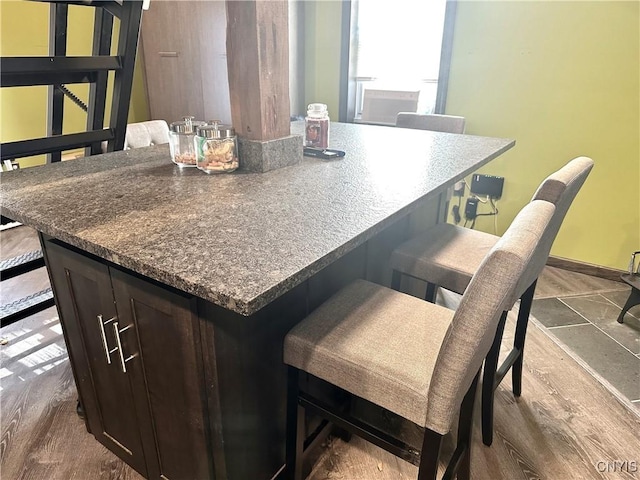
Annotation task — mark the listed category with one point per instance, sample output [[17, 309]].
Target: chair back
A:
[[145, 134], [475, 322], [433, 122], [559, 188]]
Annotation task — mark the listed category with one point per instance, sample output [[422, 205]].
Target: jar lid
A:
[[215, 131], [188, 125], [317, 107]]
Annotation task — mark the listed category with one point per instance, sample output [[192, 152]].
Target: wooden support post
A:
[[258, 66]]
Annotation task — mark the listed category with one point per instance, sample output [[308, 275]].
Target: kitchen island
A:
[[176, 288]]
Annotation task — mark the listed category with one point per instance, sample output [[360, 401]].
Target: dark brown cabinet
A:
[[136, 355], [177, 386]]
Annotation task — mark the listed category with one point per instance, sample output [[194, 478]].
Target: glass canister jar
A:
[[316, 126], [181, 136], [216, 148]]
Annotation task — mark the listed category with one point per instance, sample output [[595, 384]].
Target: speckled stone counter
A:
[[241, 240]]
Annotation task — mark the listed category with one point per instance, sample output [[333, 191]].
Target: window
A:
[[395, 52]]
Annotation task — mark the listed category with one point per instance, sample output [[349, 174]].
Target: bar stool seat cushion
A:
[[447, 255], [389, 361]]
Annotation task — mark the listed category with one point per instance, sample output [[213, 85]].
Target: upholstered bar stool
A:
[[416, 359], [448, 256], [433, 122]]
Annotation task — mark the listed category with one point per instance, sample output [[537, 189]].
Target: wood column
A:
[[258, 65]]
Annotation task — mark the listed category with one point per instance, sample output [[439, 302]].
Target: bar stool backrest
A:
[[474, 324], [432, 122], [559, 188]]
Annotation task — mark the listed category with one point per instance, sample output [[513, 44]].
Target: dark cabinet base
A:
[[204, 389], [135, 351]]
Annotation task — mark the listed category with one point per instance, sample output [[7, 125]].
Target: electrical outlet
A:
[[458, 189]]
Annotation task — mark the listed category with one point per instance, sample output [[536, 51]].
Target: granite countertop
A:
[[241, 240]]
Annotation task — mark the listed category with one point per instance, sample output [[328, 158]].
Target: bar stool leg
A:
[[465, 429], [429, 456], [295, 428], [633, 300], [488, 383], [518, 341], [396, 277], [430, 295]]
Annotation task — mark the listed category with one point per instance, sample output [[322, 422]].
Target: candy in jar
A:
[[181, 136], [316, 126], [216, 148]]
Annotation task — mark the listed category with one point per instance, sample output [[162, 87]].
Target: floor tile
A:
[[551, 312], [600, 311], [616, 364]]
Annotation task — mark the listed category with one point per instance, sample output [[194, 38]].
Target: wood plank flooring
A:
[[555, 282], [42, 437], [562, 427], [566, 425]]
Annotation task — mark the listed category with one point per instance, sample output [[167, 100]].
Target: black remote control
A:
[[326, 153]]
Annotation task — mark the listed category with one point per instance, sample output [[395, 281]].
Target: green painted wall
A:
[[563, 79], [322, 53], [23, 110]]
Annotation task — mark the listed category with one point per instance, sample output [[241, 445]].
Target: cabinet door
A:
[[185, 60], [172, 61], [87, 313], [167, 376]]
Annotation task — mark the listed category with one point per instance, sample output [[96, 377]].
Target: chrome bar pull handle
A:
[[103, 336], [123, 361]]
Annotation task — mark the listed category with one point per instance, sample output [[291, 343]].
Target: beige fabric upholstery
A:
[[561, 189], [448, 255], [377, 343], [474, 326], [433, 122], [445, 255], [570, 177], [412, 357]]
